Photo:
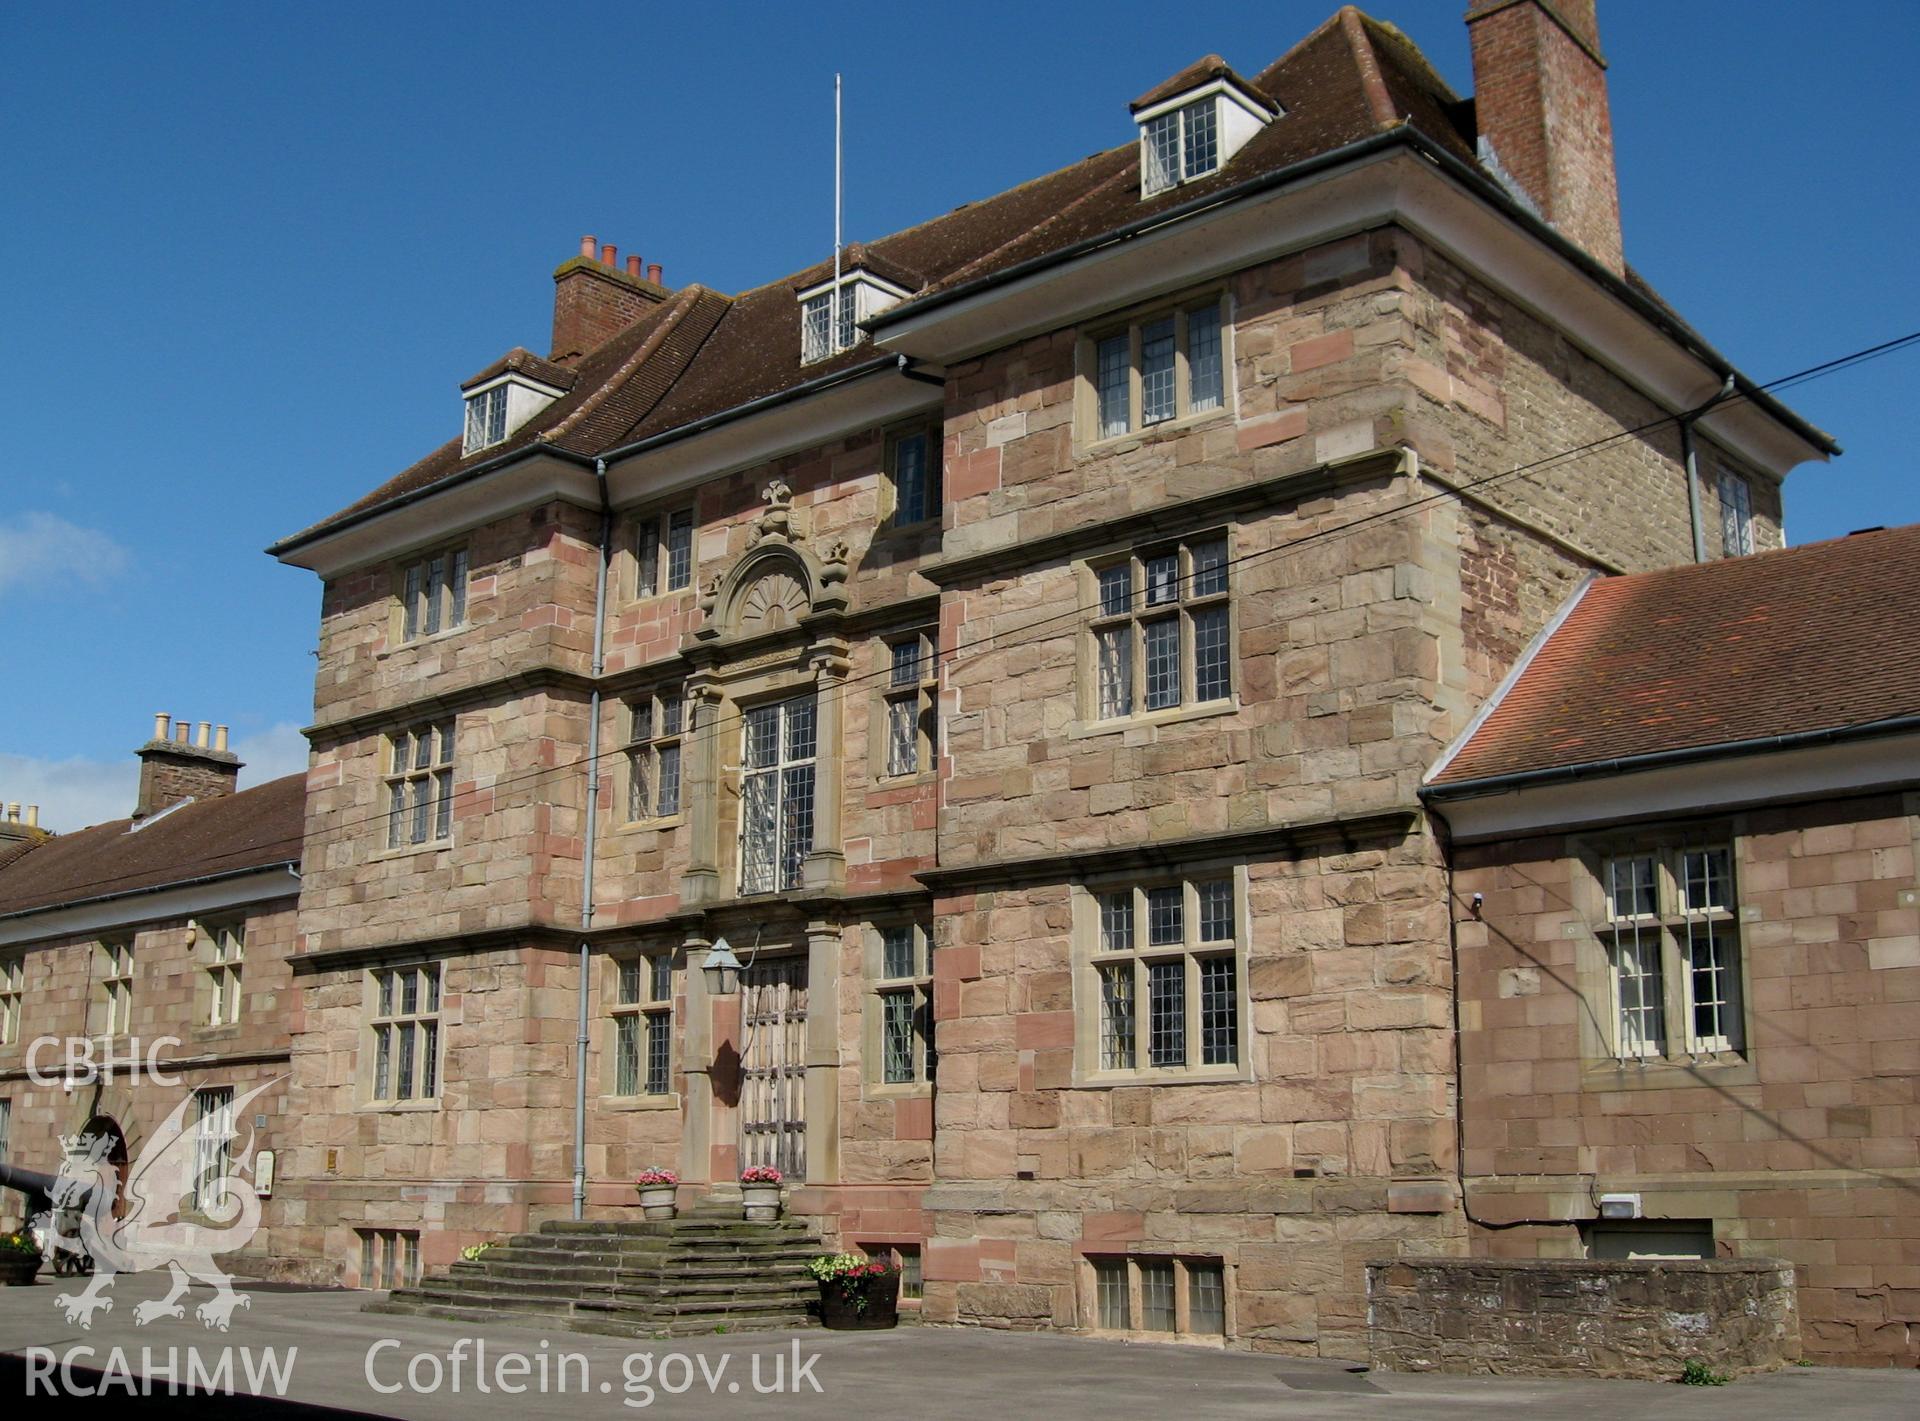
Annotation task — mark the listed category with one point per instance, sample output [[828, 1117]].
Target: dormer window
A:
[[1193, 124], [486, 418], [507, 394], [1180, 146], [830, 316]]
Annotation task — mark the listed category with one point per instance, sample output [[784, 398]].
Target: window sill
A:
[[396, 1107], [900, 1090], [923, 527], [918, 777], [444, 634], [644, 598], [625, 1103], [1167, 1339], [407, 851], [1668, 1072], [1175, 715], [647, 826], [1153, 433], [1196, 1075], [226, 1031]]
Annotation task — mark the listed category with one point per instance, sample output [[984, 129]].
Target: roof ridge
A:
[[1372, 82], [685, 299]]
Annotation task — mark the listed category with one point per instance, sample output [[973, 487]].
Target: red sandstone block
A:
[[1273, 429], [1117, 1227], [1322, 350], [1042, 1030], [951, 1261]]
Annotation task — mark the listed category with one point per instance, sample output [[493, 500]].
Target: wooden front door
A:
[[773, 1078]]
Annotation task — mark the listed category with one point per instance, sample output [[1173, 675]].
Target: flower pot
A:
[[762, 1201], [17, 1270], [657, 1200], [860, 1304]]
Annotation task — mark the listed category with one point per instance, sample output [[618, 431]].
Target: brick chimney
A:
[[593, 299], [1540, 99], [184, 765]]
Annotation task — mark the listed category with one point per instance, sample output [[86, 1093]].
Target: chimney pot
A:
[[633, 266], [653, 273], [33, 816], [161, 724], [182, 728], [13, 813], [609, 255], [205, 737], [220, 737], [589, 245]]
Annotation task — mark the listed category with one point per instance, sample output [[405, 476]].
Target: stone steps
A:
[[706, 1271]]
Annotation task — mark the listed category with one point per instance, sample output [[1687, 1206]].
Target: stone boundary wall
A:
[[1580, 1317]]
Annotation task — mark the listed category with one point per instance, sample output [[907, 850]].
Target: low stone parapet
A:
[[1580, 1317]]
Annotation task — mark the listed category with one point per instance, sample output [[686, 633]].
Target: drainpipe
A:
[[586, 857], [1687, 455]]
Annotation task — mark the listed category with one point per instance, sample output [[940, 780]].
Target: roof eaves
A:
[[538, 448], [1655, 759]]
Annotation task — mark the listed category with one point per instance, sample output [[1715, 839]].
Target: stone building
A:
[[1023, 649], [162, 938], [1689, 932]]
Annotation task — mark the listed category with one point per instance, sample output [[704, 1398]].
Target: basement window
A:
[[1177, 1296], [389, 1258], [1625, 1239]]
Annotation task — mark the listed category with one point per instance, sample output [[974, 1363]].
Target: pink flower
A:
[[655, 1178], [760, 1174]]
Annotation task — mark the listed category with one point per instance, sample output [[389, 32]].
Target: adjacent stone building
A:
[[161, 939], [1688, 925]]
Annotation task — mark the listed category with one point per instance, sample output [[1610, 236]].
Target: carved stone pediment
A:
[[777, 581]]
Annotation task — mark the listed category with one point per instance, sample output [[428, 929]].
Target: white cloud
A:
[[281, 750], [43, 548], [76, 792], [71, 793]]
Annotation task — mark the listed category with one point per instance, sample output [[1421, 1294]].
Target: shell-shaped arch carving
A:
[[772, 602], [769, 590]]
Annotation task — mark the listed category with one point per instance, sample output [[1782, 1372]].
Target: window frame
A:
[[915, 986], [933, 500], [1735, 492], [1184, 169], [1673, 931], [1140, 611], [431, 593], [117, 975], [787, 868], [1098, 964], [651, 1007], [663, 713], [1097, 1295], [13, 995], [213, 1130], [919, 697], [650, 544], [388, 1017], [490, 404], [389, 1258], [223, 957], [436, 773], [1090, 426]]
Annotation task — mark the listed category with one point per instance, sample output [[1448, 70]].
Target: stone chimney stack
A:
[[1540, 100], [593, 299], [184, 766]]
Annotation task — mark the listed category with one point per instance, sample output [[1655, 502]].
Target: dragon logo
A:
[[188, 1164]]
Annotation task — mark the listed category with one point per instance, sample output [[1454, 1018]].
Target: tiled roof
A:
[[1202, 71], [1352, 77], [255, 828], [1809, 639], [525, 362]]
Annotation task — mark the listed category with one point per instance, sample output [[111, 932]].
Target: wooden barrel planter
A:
[[860, 1304]]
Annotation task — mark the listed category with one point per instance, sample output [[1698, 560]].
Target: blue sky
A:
[[249, 251]]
